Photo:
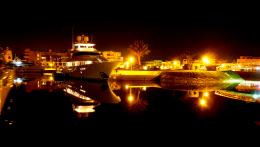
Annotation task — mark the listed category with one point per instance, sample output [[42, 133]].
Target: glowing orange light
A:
[[206, 94], [51, 78], [203, 102], [131, 59], [145, 67], [130, 98], [206, 60]]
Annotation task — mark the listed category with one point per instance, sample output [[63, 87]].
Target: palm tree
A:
[[139, 49]]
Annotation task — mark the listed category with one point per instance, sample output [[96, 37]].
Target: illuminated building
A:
[[228, 66], [248, 60], [8, 57], [171, 65], [244, 63], [112, 55], [154, 64], [198, 65], [249, 63], [48, 60]]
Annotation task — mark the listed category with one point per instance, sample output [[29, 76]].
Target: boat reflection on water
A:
[[87, 95], [248, 91], [83, 111], [44, 102]]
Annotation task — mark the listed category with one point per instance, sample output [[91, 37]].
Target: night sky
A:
[[168, 29]]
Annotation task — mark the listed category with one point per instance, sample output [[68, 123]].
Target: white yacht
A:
[[86, 62]]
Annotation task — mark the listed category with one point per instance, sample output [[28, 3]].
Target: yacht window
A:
[[82, 47]]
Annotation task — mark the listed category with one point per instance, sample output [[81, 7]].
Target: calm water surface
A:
[[38, 101]]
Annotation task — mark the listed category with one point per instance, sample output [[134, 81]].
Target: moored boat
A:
[[87, 62]]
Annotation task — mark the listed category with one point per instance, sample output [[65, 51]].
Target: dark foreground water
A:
[[41, 102]]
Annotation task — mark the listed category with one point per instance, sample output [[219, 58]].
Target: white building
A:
[[249, 63]]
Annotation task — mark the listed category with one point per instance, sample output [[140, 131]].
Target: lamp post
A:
[[206, 60], [131, 60]]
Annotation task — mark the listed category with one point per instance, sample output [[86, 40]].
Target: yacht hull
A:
[[93, 71]]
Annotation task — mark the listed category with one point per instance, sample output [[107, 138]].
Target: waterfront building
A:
[[48, 60], [8, 56], [249, 63], [228, 66], [112, 55], [154, 64], [171, 65], [162, 65], [244, 63], [249, 60]]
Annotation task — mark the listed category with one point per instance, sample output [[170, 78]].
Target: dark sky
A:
[[169, 30]]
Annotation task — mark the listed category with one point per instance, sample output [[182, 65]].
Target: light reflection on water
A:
[[247, 91], [86, 97], [6, 83]]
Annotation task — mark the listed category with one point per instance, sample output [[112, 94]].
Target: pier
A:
[[141, 75], [176, 76]]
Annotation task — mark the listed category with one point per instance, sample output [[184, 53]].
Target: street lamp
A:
[[131, 60], [206, 60]]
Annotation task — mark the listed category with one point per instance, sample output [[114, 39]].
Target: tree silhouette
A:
[[139, 49]]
